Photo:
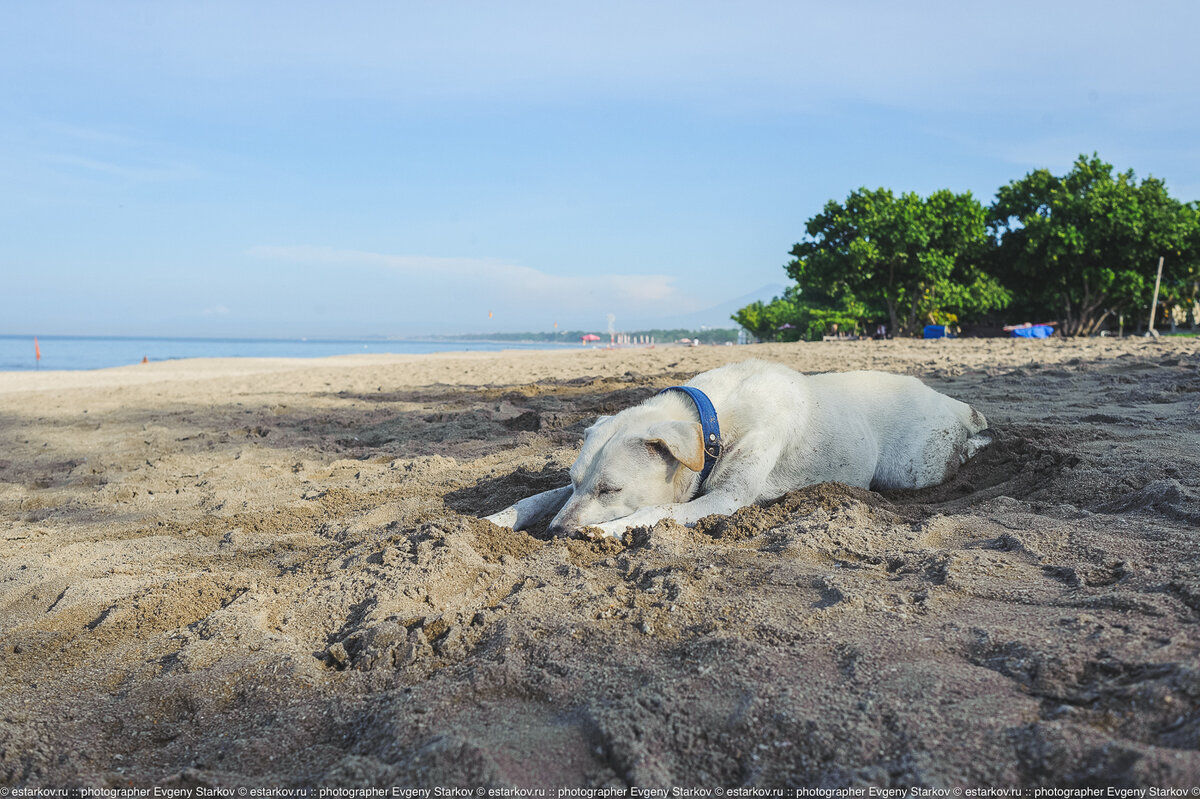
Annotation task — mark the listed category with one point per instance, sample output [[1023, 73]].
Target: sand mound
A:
[[280, 578]]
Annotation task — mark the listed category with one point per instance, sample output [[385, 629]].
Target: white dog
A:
[[750, 432]]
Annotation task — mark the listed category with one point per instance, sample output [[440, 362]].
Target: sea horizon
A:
[[78, 352]]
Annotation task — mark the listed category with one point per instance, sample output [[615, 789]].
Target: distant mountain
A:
[[718, 315]]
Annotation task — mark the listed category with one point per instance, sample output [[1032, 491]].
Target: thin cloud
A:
[[511, 283], [131, 172]]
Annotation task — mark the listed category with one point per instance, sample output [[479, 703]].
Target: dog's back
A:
[[864, 428], [921, 434]]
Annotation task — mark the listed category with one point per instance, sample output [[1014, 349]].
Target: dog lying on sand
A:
[[751, 432]]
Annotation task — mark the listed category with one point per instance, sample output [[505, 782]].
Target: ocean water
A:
[[99, 352]]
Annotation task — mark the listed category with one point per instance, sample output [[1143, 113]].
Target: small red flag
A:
[[37, 351]]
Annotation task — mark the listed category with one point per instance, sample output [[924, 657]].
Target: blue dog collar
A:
[[708, 427]]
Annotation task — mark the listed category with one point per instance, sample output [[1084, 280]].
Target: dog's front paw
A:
[[604, 530]]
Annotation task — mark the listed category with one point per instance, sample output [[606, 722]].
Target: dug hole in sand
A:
[[272, 573]]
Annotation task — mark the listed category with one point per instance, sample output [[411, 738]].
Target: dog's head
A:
[[629, 461]]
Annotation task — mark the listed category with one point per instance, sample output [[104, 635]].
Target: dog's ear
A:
[[600, 420], [683, 440]]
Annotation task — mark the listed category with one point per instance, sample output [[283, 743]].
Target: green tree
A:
[[767, 321], [1179, 296], [794, 316], [1085, 246], [914, 259]]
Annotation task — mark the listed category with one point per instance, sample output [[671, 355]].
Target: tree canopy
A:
[[907, 258], [794, 316], [1085, 246], [1075, 249]]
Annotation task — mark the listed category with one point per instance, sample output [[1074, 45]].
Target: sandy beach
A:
[[272, 573]]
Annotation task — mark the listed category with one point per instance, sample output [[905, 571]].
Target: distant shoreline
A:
[[526, 337], [18, 353], [292, 339], [60, 352]]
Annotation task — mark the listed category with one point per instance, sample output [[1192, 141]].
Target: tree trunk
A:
[[893, 311], [912, 315], [1068, 327], [1091, 327], [1088, 325]]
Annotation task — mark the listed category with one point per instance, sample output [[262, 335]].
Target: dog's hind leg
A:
[[976, 443], [532, 510]]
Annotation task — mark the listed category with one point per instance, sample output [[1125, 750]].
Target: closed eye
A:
[[606, 489]]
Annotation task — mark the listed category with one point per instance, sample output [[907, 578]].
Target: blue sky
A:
[[290, 169]]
